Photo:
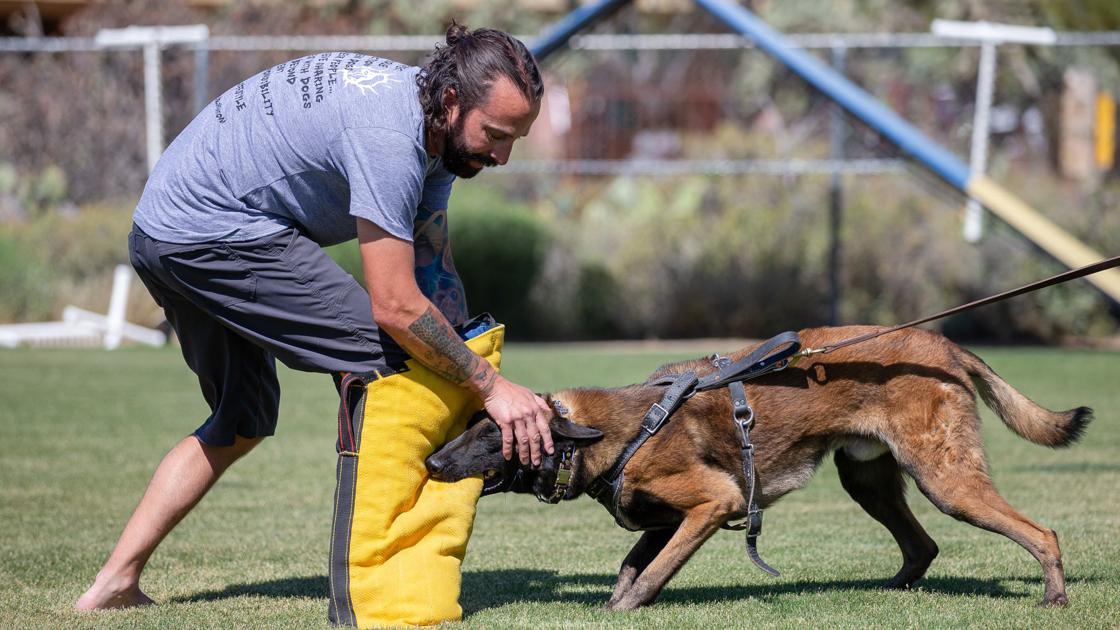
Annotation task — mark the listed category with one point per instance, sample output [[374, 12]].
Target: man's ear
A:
[[450, 102], [578, 433]]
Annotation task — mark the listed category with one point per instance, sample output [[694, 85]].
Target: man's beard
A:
[[457, 158]]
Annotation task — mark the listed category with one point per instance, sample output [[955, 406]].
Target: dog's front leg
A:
[[645, 550], [698, 526]]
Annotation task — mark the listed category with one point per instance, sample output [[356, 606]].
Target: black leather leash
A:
[[1073, 274], [768, 357]]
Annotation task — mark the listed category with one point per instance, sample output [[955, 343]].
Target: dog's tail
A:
[[1022, 415]]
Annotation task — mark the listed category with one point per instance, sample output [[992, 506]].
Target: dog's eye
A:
[[489, 473]]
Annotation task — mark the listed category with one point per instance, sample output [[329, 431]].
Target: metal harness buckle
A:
[[563, 478], [747, 422], [652, 428]]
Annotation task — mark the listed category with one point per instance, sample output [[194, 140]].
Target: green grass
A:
[[81, 432]]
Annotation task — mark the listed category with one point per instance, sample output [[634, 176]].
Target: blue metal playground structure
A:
[[998, 200]]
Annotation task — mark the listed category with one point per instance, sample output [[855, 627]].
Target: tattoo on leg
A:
[[444, 353]]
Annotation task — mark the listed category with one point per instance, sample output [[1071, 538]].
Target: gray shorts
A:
[[236, 307]]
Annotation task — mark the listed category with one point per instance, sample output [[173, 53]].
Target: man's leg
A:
[[238, 381], [280, 296], [184, 476]]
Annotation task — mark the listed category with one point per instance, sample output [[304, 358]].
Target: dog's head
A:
[[478, 451]]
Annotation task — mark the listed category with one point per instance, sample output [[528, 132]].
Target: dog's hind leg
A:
[[645, 550], [950, 469], [877, 485]]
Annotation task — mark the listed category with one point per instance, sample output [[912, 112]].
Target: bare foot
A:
[[112, 592]]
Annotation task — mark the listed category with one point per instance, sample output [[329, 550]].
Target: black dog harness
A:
[[771, 356], [607, 487]]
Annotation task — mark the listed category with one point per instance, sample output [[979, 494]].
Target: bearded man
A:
[[228, 239]]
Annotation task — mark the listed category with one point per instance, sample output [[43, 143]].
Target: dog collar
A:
[[563, 467], [563, 477]]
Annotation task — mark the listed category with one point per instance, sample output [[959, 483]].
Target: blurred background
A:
[[678, 183]]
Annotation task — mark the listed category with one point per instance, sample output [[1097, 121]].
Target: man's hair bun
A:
[[456, 33], [468, 65]]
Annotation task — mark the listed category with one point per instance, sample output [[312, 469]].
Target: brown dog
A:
[[904, 402]]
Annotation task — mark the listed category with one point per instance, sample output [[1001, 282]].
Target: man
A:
[[227, 239]]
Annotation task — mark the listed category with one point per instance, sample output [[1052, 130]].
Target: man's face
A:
[[484, 136]]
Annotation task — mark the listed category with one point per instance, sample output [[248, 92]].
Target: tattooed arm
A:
[[435, 270], [401, 310]]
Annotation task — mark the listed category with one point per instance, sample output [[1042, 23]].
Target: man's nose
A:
[[501, 152]]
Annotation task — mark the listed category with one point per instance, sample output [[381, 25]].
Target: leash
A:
[[771, 356], [1073, 274]]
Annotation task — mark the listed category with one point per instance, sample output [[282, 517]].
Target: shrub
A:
[[349, 257], [748, 256], [58, 258], [87, 242], [499, 248], [24, 283]]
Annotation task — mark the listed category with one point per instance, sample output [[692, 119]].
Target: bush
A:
[[748, 256], [59, 258], [677, 257], [349, 257], [682, 257], [80, 244], [499, 249], [24, 283]]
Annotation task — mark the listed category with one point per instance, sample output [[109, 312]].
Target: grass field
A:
[[81, 432]]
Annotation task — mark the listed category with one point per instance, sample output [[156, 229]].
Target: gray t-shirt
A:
[[310, 143]]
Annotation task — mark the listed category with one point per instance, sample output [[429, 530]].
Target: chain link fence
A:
[[618, 104], [672, 160]]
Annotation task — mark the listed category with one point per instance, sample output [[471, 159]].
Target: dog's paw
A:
[[901, 582], [1054, 601], [620, 605]]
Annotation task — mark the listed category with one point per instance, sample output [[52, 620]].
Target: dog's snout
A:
[[435, 465]]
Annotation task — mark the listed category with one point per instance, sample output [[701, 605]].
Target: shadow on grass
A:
[[312, 586], [490, 589], [1066, 467], [494, 588]]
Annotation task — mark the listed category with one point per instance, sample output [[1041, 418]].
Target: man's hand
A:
[[413, 321], [522, 416]]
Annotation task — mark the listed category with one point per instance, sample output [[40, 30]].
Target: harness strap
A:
[[768, 357], [743, 416], [670, 401], [754, 512], [772, 355]]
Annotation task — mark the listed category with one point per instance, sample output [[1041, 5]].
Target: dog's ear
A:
[[578, 433]]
